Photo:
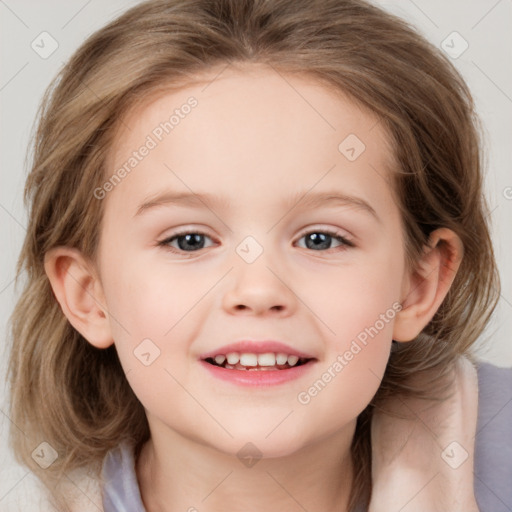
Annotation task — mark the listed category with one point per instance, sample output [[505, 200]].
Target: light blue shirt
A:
[[493, 452]]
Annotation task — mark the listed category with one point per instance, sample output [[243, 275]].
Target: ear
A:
[[79, 293], [426, 286]]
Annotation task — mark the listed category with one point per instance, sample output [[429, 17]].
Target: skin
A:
[[317, 301]]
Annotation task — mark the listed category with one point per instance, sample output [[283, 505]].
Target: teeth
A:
[[233, 357], [267, 359], [281, 359], [247, 359], [220, 359], [292, 360]]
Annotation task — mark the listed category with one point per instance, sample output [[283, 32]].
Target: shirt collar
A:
[[121, 491]]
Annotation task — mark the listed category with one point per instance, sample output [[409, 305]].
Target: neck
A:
[[176, 473]]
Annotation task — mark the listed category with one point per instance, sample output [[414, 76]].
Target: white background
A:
[[486, 66]]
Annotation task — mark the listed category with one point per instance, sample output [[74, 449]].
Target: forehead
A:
[[251, 126]]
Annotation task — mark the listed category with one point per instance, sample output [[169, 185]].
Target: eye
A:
[[186, 241], [192, 241], [319, 240]]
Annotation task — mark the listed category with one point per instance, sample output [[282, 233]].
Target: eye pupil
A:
[[319, 240], [192, 241]]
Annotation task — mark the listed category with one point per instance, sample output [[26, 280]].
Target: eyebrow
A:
[[300, 200]]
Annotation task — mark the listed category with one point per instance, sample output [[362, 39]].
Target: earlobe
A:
[[428, 284], [78, 290]]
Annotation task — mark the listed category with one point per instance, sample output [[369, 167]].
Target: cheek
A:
[[357, 309], [350, 375], [147, 296], [349, 299], [149, 323], [145, 305]]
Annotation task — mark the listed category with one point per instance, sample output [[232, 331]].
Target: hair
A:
[[74, 396]]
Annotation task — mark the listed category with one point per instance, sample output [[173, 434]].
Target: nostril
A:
[[241, 307]]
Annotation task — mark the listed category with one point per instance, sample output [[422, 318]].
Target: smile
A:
[[249, 370], [268, 361]]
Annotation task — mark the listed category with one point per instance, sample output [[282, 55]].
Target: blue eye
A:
[[188, 241], [193, 241], [321, 240]]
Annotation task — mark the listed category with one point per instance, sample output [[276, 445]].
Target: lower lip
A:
[[259, 377]]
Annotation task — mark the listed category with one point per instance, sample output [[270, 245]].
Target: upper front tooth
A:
[[249, 360], [268, 359], [281, 358], [233, 357]]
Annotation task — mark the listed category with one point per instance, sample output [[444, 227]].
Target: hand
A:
[[422, 461]]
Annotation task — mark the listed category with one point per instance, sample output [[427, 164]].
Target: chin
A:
[[259, 443]]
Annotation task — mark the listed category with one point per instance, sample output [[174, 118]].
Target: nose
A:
[[257, 289]]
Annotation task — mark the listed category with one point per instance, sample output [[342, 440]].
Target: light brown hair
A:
[[76, 397]]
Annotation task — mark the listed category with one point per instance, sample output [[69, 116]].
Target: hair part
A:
[[68, 393]]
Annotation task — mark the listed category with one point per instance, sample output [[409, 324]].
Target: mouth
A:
[[251, 362]]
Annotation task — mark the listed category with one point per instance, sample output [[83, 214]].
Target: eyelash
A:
[[334, 234]]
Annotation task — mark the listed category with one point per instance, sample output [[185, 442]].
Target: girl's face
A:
[[254, 207]]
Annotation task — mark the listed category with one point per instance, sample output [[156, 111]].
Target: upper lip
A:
[[257, 347]]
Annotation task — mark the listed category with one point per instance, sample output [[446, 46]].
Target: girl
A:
[[257, 256]]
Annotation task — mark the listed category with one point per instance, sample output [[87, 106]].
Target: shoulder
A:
[[493, 440]]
